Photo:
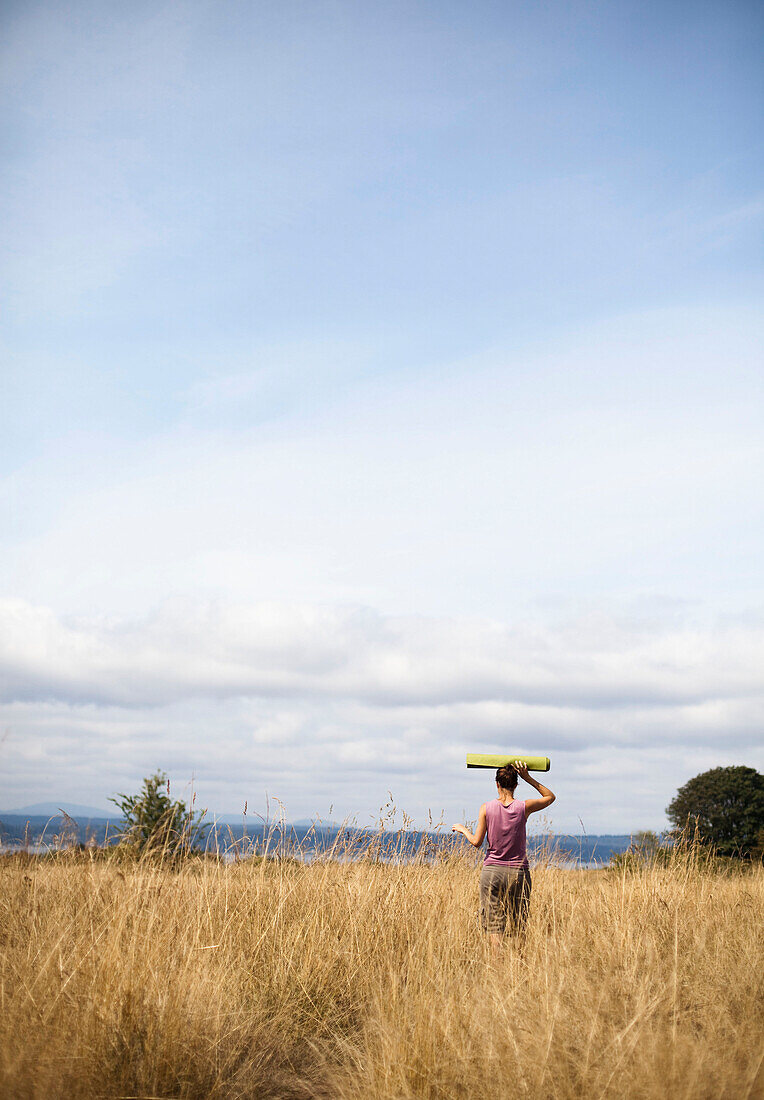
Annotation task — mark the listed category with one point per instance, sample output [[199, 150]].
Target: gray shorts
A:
[[505, 894]]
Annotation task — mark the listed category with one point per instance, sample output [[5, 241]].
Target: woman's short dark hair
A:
[[506, 777]]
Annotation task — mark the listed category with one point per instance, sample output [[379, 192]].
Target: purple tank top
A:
[[506, 834]]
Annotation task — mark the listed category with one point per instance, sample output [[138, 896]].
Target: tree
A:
[[153, 822], [726, 805]]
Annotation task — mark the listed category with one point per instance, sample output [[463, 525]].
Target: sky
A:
[[381, 383]]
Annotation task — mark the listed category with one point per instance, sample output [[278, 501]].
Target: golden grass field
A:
[[268, 978]]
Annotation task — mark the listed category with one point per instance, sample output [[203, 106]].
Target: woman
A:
[[505, 881]]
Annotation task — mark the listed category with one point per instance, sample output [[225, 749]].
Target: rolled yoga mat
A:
[[532, 763]]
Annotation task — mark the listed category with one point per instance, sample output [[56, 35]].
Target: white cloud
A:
[[213, 650], [332, 705]]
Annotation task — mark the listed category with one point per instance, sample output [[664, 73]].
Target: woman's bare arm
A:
[[476, 838], [533, 805]]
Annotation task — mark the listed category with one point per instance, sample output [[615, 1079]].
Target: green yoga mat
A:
[[532, 763]]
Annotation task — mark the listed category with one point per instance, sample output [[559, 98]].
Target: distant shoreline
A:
[[41, 833]]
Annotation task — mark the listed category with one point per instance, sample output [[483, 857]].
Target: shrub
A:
[[154, 823]]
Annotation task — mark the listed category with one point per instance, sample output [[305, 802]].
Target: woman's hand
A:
[[459, 829], [522, 770]]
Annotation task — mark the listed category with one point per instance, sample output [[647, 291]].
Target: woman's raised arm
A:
[[533, 805]]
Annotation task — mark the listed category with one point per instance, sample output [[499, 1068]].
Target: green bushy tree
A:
[[725, 805], [153, 822]]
